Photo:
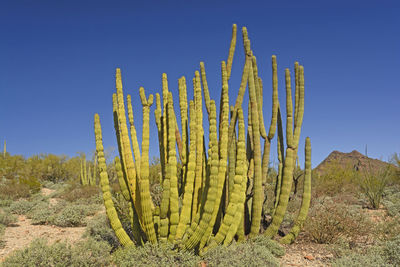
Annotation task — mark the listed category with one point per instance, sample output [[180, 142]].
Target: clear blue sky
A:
[[58, 59]]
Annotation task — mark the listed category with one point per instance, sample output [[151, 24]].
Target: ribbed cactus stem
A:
[[121, 181], [124, 137], [112, 215], [306, 198], [209, 205], [232, 216], [223, 150], [135, 143], [205, 87], [144, 184], [258, 196], [258, 90], [171, 172], [185, 215], [183, 104], [199, 144], [281, 154], [288, 166], [231, 51]]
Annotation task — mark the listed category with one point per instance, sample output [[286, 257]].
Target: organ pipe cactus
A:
[[219, 194], [87, 176]]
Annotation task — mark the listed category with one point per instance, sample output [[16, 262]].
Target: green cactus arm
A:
[[272, 127], [281, 154], [275, 101], [300, 108], [223, 151], [257, 186], [205, 87], [135, 143], [121, 181], [171, 172], [164, 205], [183, 104], [85, 176], [160, 129], [258, 90], [237, 202], [232, 148], [127, 157], [199, 144], [112, 215], [209, 204], [164, 114], [143, 179], [89, 175], [297, 95], [306, 198], [185, 216], [231, 51], [288, 166], [95, 169]]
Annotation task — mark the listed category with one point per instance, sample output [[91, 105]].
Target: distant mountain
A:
[[354, 159]]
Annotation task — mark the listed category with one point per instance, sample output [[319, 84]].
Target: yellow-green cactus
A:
[[217, 203], [112, 215], [306, 198]]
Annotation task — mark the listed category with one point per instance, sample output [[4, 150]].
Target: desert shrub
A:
[[373, 183], [328, 222], [391, 251], [39, 253], [391, 200], [70, 215], [40, 213], [6, 218], [370, 259], [334, 180], [5, 202], [12, 189], [78, 192], [154, 256], [250, 253], [386, 229], [21, 206], [99, 229]]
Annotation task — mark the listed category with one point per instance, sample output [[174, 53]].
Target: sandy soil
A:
[[23, 232]]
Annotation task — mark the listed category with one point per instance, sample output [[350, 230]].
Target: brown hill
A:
[[354, 160]]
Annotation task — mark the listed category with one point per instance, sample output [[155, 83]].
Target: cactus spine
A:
[[219, 194]]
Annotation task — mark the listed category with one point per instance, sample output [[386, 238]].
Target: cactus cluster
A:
[[220, 193], [88, 176]]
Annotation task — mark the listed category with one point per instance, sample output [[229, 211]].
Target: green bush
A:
[[335, 179], [391, 200], [370, 259], [6, 218], [328, 222], [12, 189], [77, 192], [40, 213], [21, 207], [99, 229], [39, 253], [70, 215], [259, 252], [373, 184], [154, 256], [391, 251]]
